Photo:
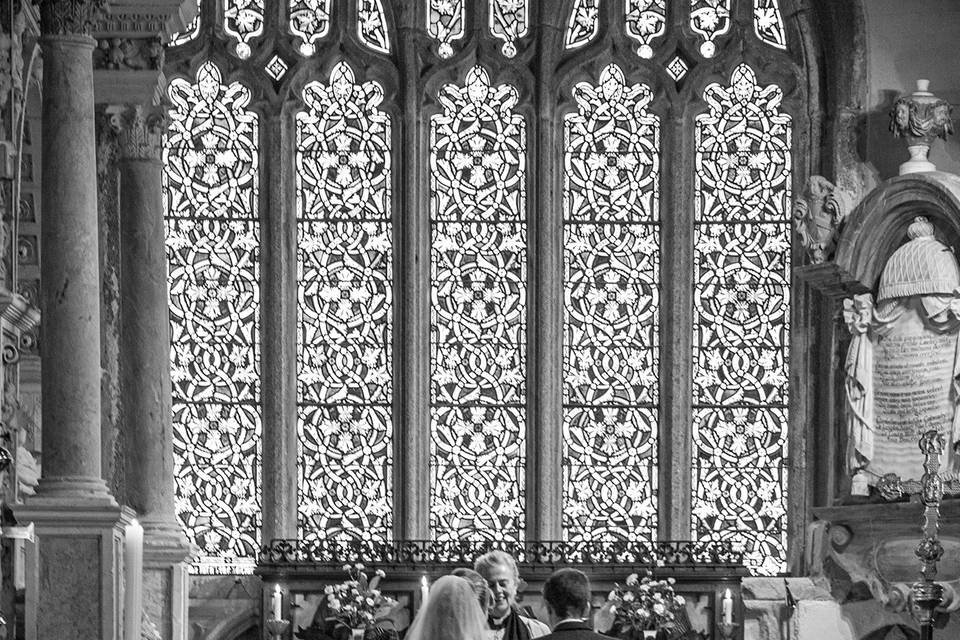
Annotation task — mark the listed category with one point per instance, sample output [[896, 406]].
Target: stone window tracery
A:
[[420, 304]]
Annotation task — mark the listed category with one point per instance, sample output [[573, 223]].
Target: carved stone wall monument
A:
[[903, 361]]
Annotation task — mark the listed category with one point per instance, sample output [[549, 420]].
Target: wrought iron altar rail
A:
[[334, 553]]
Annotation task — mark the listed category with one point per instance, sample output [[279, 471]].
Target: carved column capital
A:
[[68, 17], [140, 130]]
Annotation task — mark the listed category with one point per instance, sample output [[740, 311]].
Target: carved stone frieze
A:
[[69, 17], [817, 212], [128, 53]]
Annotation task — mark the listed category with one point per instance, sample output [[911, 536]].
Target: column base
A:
[[74, 567], [75, 488], [166, 579]]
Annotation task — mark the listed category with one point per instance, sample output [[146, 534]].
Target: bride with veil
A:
[[450, 613]]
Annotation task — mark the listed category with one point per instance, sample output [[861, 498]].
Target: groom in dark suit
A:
[[567, 596]]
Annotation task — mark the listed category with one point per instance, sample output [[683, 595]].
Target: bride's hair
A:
[[451, 612]]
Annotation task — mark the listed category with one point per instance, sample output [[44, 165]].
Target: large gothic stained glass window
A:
[[478, 312], [647, 355], [211, 161], [344, 294], [741, 318], [610, 331]]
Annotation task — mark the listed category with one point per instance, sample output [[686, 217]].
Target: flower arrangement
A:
[[642, 604], [357, 603]]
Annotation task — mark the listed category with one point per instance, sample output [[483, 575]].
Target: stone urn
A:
[[920, 118]]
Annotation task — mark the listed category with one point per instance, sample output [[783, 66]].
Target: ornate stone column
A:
[[145, 371], [74, 581]]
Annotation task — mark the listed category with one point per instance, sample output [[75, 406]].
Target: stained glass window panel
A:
[[211, 162], [372, 25], [309, 20], [243, 19], [344, 311], [709, 19], [478, 312], [646, 20], [445, 23], [583, 24], [611, 302], [190, 31], [508, 22], [741, 319], [768, 23]]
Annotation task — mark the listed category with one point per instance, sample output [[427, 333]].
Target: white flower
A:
[[359, 566], [334, 604], [612, 595], [659, 609], [346, 567], [380, 573], [328, 589], [631, 579], [679, 600], [628, 596]]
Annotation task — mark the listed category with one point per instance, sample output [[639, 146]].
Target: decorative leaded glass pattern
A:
[[344, 311], [445, 23], [611, 300], [508, 22], [646, 20], [478, 312], [276, 68], [741, 319], [768, 23], [243, 19], [190, 32], [709, 19], [309, 20], [677, 68], [211, 161], [372, 25], [583, 24]]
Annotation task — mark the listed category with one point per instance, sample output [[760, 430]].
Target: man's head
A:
[[567, 595], [479, 586], [499, 569]]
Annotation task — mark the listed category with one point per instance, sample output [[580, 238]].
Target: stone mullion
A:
[[278, 348], [676, 328], [544, 491], [411, 345]]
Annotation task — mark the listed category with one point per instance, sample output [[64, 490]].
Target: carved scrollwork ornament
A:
[[69, 17], [817, 213]]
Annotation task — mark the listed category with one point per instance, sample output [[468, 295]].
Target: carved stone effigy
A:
[[903, 361]]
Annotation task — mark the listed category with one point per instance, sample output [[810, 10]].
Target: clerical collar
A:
[[566, 620]]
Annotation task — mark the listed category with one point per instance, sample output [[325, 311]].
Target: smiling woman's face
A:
[[503, 586]]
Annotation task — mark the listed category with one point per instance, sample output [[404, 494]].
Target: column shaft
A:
[[145, 342], [145, 372], [70, 307]]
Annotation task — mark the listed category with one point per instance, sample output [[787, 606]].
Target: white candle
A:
[[133, 580], [727, 607], [424, 590], [276, 601]]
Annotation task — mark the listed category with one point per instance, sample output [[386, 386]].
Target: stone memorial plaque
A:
[[912, 375]]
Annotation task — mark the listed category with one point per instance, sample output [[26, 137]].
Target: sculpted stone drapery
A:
[[907, 347]]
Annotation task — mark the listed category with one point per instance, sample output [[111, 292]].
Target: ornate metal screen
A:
[[211, 160]]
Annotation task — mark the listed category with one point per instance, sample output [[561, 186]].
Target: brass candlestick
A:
[[926, 595], [276, 628]]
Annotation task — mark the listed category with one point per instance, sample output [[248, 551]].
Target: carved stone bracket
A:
[[874, 546], [817, 212], [69, 17]]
